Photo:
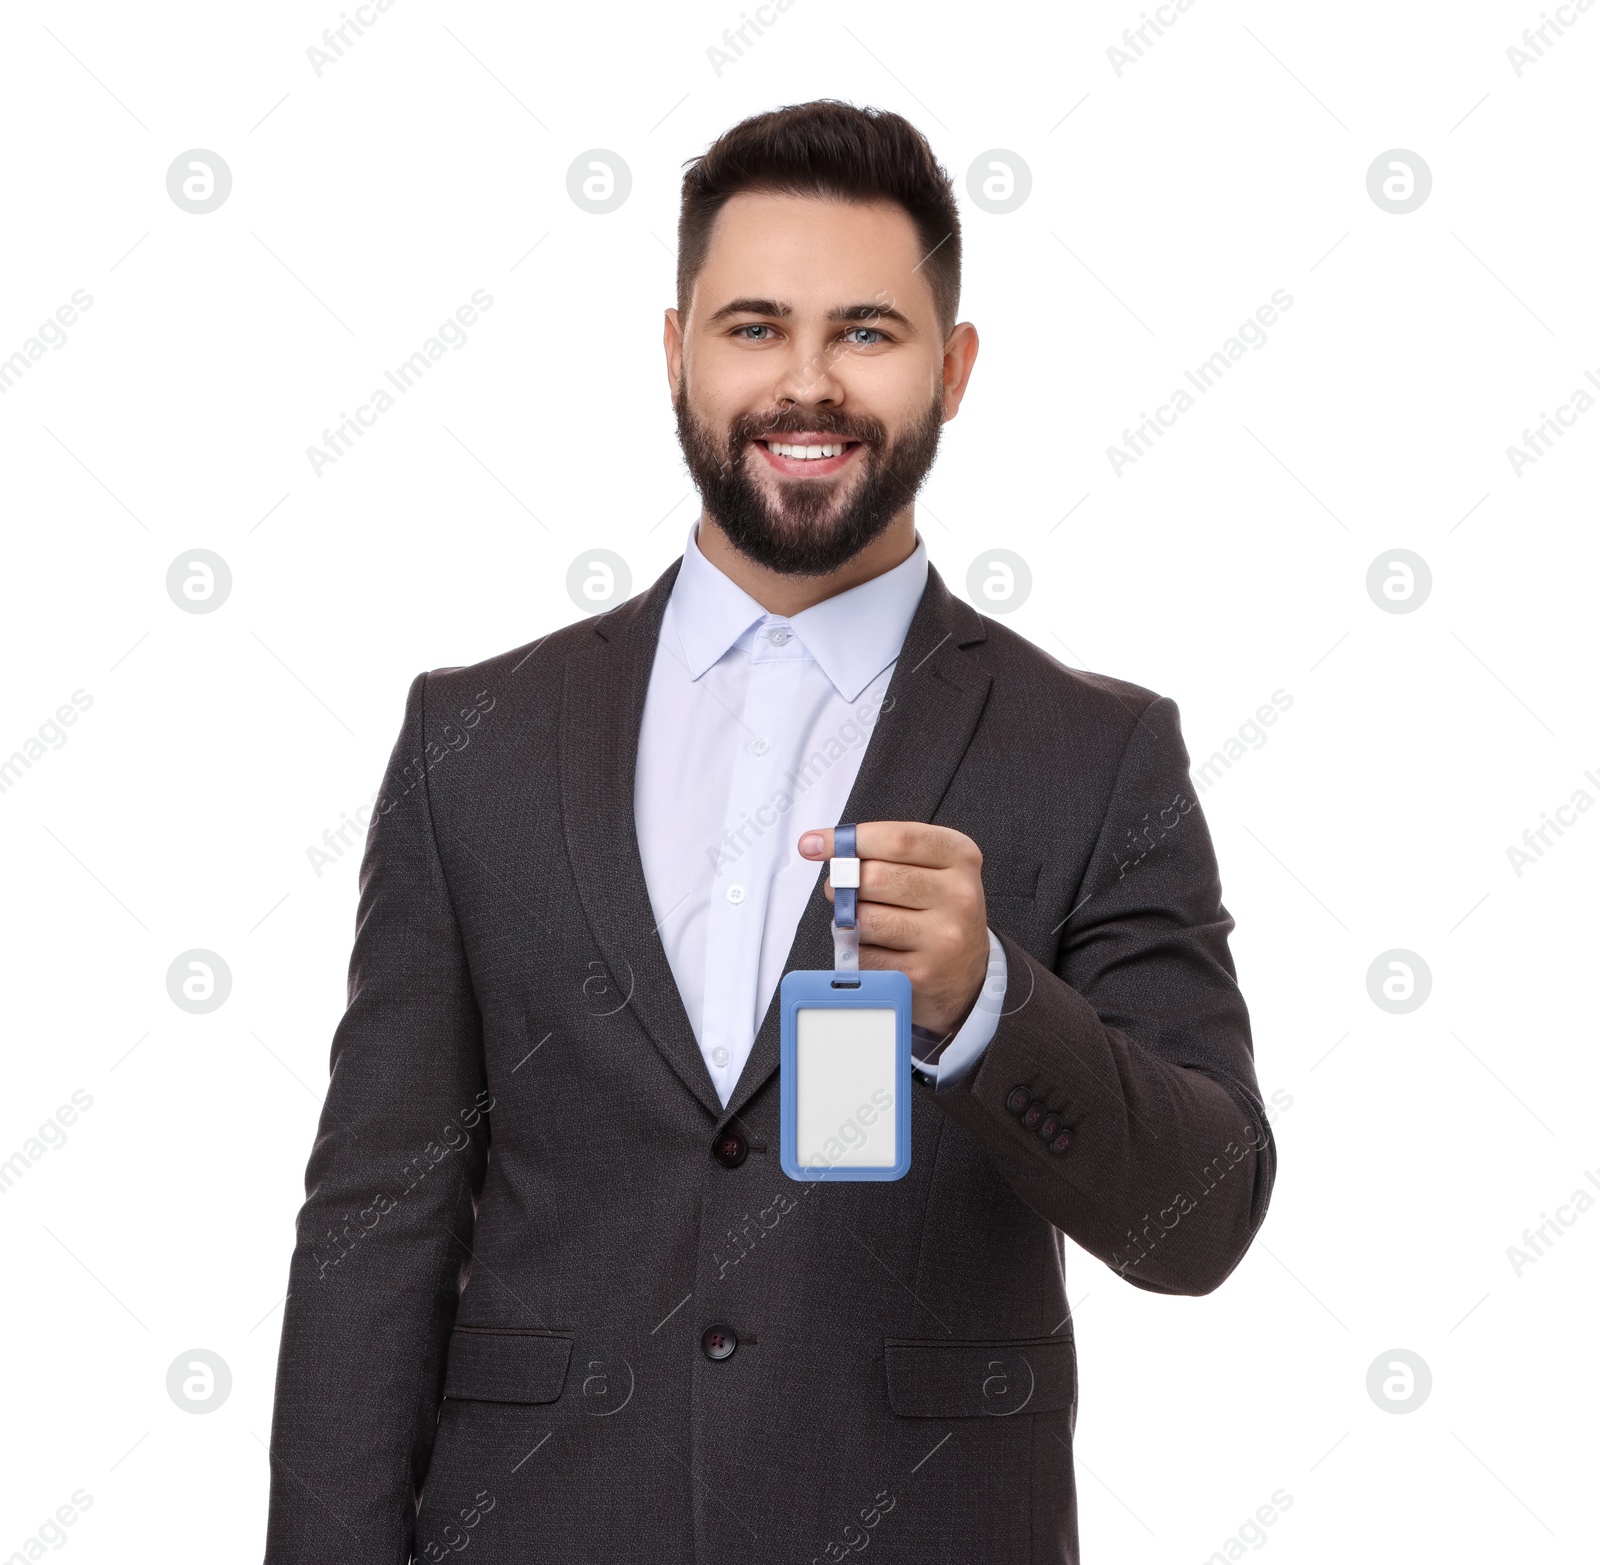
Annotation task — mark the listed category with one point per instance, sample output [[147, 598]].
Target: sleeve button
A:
[[1034, 1112], [1049, 1125], [1062, 1141], [1017, 1099]]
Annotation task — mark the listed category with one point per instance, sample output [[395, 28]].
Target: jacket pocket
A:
[[506, 1364], [943, 1379]]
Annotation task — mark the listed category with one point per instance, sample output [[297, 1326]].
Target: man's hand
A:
[[920, 909]]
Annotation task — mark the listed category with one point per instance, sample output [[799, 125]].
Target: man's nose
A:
[[808, 379]]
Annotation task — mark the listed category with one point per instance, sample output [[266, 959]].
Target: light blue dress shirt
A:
[[753, 731]]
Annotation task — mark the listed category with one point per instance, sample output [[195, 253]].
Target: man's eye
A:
[[873, 336], [754, 326]]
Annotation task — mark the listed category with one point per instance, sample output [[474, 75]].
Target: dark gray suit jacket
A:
[[526, 1206]]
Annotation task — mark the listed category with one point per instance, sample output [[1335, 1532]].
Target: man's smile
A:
[[806, 454]]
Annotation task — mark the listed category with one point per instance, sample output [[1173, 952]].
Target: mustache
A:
[[791, 421]]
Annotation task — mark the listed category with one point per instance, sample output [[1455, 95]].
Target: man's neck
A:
[[787, 595]]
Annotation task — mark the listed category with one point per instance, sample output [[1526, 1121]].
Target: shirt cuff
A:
[[957, 1057]]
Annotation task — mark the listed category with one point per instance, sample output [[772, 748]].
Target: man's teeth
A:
[[805, 453]]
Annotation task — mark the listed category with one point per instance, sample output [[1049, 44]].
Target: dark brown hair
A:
[[832, 149]]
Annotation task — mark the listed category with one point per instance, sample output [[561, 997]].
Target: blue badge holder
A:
[[845, 1053]]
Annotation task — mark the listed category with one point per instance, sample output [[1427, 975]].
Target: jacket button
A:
[[1034, 1112], [719, 1342], [1062, 1141], [1017, 1099], [730, 1149], [1049, 1125]]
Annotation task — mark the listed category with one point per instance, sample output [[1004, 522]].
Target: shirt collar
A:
[[854, 635]]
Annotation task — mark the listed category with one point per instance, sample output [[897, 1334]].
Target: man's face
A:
[[810, 380]]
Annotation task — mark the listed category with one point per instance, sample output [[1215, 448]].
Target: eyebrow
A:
[[776, 310]]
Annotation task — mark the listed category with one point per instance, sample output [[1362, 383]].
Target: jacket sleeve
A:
[[380, 1243], [1137, 1042]]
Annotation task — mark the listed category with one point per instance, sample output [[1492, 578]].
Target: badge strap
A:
[[844, 874]]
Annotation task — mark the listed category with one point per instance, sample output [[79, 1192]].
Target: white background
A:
[[1167, 203]]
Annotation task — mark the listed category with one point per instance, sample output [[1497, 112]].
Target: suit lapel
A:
[[924, 726], [929, 712], [602, 708]]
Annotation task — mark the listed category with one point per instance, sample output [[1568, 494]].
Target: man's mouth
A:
[[806, 455]]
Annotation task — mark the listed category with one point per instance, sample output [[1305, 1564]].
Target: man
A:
[[550, 1280]]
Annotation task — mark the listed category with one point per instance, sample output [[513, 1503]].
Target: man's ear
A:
[[672, 342], [960, 353]]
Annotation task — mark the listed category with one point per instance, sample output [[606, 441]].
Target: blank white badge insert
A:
[[845, 1087]]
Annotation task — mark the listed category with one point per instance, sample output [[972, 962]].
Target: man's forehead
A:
[[812, 254]]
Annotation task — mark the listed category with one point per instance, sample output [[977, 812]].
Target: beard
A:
[[813, 526]]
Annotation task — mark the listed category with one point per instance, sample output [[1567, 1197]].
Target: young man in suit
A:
[[552, 1296]]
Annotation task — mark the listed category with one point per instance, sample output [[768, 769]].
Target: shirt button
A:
[[760, 746], [730, 1149], [718, 1342], [736, 894], [779, 635], [719, 1056]]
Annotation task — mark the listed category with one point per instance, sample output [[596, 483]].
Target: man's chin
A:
[[797, 506], [796, 541], [786, 532], [805, 508]]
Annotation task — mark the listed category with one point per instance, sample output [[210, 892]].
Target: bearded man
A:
[[600, 1322]]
